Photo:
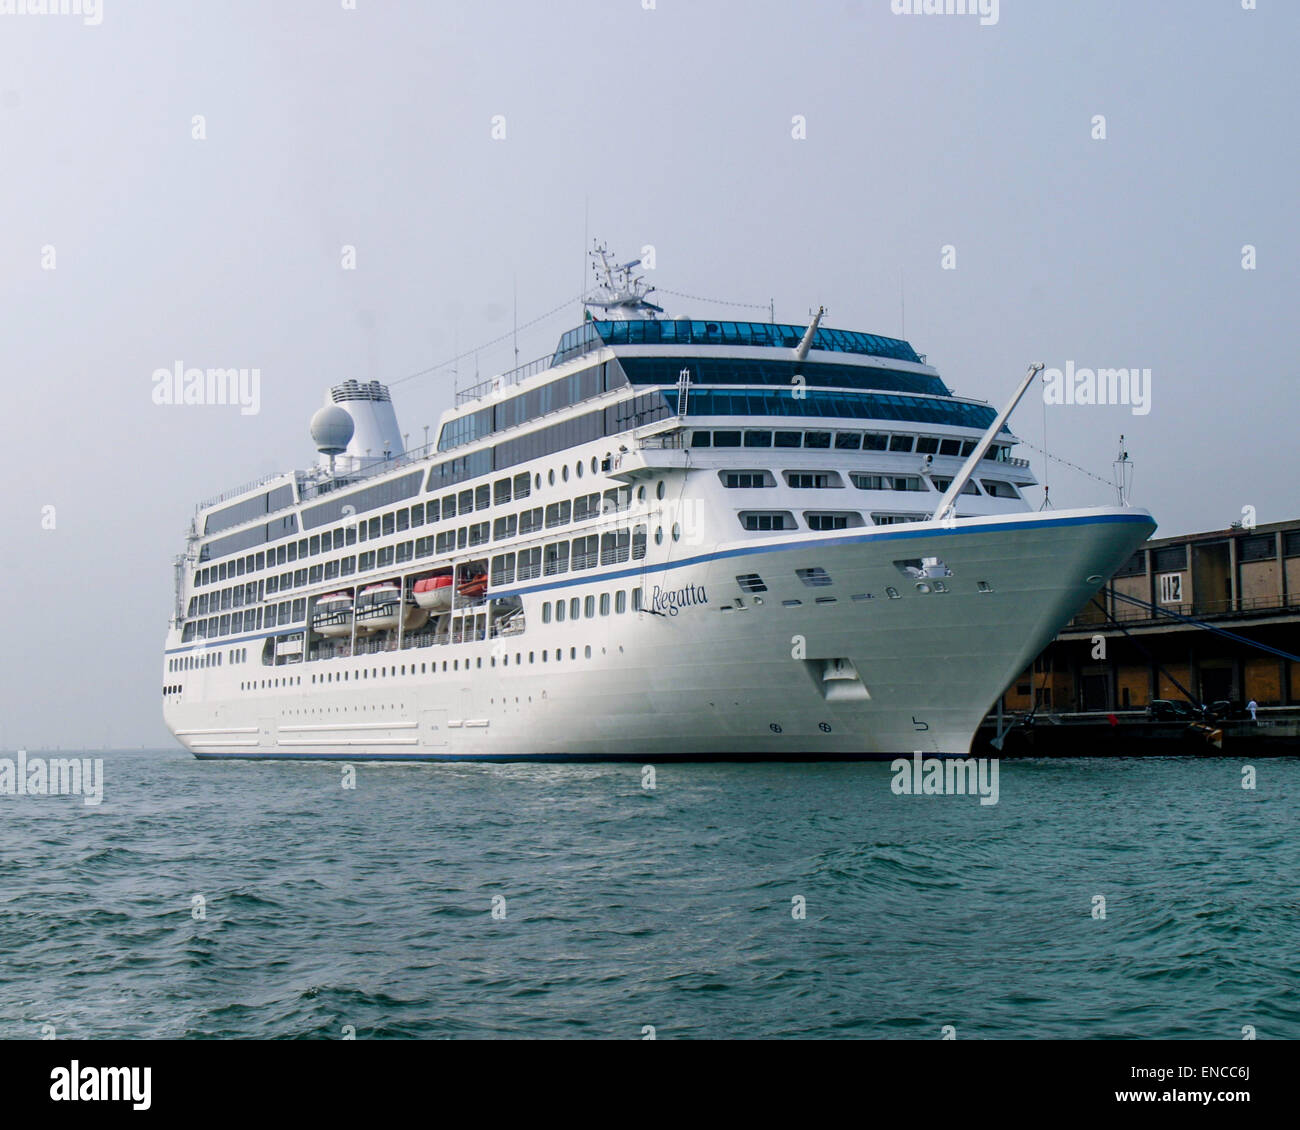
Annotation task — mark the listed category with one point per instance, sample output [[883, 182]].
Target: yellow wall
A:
[[1263, 681], [1259, 584], [1138, 682]]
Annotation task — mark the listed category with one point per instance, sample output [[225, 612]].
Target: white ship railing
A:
[[504, 380]]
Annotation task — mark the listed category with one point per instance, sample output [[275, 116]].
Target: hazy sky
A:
[[672, 127]]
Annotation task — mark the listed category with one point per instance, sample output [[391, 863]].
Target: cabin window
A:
[[505, 527], [831, 520], [812, 480], [586, 552], [998, 489], [558, 513], [503, 569], [767, 520], [615, 547], [556, 558], [530, 563]]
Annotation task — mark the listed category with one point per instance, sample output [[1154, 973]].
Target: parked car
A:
[[1163, 710], [1226, 709]]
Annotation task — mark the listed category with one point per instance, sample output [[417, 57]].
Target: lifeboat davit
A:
[[434, 593], [380, 607], [332, 616]]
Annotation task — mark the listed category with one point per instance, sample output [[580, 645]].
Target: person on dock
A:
[[1253, 706]]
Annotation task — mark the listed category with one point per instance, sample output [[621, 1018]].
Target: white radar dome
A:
[[331, 429]]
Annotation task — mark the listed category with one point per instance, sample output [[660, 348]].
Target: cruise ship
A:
[[669, 538]]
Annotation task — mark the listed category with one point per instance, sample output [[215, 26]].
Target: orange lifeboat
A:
[[473, 588], [433, 593]]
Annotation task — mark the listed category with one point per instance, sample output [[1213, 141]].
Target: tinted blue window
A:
[[743, 333], [843, 405], [776, 372]]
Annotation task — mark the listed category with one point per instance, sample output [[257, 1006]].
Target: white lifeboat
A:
[[332, 616], [379, 607]]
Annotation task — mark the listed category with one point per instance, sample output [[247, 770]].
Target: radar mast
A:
[[619, 293]]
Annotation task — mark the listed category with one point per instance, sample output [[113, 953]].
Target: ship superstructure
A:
[[671, 537]]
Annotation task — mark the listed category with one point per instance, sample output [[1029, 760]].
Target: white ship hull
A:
[[915, 672]]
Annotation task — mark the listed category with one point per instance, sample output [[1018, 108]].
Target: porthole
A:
[[578, 467], [659, 535], [640, 493], [677, 531], [593, 464], [659, 490], [564, 472], [550, 477], [537, 481]]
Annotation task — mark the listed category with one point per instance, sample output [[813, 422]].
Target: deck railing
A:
[[504, 380]]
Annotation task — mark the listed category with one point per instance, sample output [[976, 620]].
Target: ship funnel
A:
[[374, 436]]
